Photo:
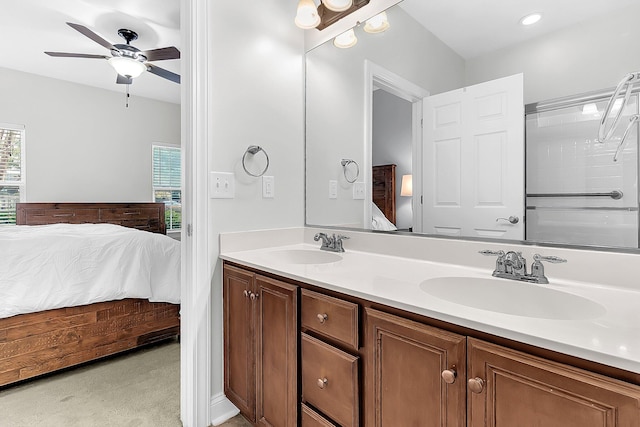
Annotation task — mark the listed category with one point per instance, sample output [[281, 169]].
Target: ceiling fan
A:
[[128, 61]]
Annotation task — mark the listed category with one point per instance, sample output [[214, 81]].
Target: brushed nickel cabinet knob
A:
[[449, 376], [322, 382], [245, 293], [322, 317], [476, 385]]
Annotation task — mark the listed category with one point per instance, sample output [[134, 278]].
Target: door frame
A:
[[379, 77]]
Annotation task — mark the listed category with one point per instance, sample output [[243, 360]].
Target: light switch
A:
[[268, 187], [333, 189], [358, 191], [222, 185]]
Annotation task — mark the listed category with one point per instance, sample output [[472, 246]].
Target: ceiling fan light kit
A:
[[128, 61]]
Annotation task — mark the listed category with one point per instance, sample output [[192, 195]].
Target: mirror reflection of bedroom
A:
[[392, 161], [90, 213]]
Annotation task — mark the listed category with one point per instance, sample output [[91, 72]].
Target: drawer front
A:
[[330, 381], [311, 418], [330, 317]]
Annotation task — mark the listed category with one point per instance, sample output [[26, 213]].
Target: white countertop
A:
[[612, 338]]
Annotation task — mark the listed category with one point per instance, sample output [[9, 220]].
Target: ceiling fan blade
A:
[[76, 55], [122, 80], [162, 54], [93, 36], [163, 73]]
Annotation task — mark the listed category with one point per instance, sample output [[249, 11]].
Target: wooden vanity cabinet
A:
[[261, 347], [510, 388], [415, 373]]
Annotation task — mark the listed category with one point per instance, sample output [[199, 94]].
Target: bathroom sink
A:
[[512, 297], [304, 256]]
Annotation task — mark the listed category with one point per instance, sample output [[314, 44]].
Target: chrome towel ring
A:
[[345, 163], [253, 150]]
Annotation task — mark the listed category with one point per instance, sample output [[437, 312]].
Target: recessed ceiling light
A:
[[531, 19]]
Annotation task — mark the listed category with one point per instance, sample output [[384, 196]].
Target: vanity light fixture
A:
[[530, 19], [377, 24], [346, 40], [307, 16], [127, 67], [337, 5]]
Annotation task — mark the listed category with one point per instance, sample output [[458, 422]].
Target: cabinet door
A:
[[239, 343], [508, 388], [277, 352], [405, 364]]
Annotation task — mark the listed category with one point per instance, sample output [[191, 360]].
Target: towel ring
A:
[[347, 162], [253, 150]]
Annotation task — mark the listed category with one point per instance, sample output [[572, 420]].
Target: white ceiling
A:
[[30, 27], [475, 27]]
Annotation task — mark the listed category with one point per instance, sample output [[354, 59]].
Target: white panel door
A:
[[473, 161]]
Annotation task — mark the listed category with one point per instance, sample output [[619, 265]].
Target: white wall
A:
[[392, 144], [335, 92], [82, 144], [256, 98], [589, 56]]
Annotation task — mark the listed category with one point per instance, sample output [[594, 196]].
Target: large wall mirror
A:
[[495, 124]]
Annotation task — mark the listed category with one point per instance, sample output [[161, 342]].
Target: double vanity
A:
[[406, 331]]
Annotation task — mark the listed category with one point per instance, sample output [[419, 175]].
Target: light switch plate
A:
[[268, 187], [333, 189], [358, 191], [222, 185]]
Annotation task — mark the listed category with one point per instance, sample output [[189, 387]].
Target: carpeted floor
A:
[[138, 389]]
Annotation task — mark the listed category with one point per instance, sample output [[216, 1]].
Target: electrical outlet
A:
[[222, 185], [333, 189], [358, 191], [268, 187]]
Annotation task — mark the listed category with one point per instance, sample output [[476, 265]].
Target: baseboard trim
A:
[[222, 409]]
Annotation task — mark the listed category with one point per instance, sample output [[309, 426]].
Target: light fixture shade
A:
[[377, 24], [337, 5], [307, 15], [346, 39], [407, 185], [127, 67]]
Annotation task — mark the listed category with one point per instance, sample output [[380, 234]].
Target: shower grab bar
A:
[[627, 82], [615, 194]]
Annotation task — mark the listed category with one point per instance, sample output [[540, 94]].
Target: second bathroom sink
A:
[[512, 297]]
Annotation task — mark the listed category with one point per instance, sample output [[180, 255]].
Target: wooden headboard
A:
[[143, 216], [384, 190]]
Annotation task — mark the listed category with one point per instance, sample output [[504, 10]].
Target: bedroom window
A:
[[167, 183], [12, 176]]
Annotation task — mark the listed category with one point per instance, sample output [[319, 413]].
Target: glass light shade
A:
[[346, 39], [307, 15], [127, 67], [407, 185], [337, 5], [377, 24]]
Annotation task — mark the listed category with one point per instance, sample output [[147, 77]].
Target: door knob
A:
[[449, 376], [476, 385], [512, 219]]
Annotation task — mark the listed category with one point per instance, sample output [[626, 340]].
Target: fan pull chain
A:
[[127, 97]]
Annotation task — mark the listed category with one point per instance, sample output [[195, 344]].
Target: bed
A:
[[44, 341]]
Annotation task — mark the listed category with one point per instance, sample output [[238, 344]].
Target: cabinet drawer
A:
[[330, 381], [311, 418], [330, 317]]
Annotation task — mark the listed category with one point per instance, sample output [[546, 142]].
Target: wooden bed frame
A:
[[38, 343]]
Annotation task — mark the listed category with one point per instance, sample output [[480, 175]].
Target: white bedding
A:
[[62, 265]]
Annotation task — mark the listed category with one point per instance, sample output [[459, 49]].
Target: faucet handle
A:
[[338, 242], [552, 259], [488, 252]]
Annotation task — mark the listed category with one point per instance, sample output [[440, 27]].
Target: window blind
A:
[[11, 171], [167, 180]]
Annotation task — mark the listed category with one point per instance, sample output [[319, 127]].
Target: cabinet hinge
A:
[[189, 230]]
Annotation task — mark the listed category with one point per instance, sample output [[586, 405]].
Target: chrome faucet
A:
[[512, 265], [331, 243]]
